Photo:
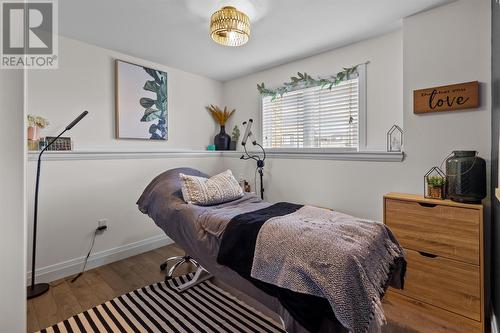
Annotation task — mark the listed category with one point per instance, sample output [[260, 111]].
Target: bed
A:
[[196, 229]]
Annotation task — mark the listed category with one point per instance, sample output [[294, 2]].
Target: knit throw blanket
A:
[[346, 260]]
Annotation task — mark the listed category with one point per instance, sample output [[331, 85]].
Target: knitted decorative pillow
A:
[[210, 191]]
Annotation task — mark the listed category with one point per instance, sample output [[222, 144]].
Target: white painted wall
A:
[[12, 195], [450, 44], [74, 194], [85, 80], [460, 52], [384, 81], [446, 45]]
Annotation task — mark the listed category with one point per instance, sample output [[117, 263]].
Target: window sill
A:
[[373, 156]]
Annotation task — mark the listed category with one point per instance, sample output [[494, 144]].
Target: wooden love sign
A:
[[446, 98]]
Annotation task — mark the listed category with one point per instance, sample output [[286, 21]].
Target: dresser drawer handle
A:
[[428, 255], [425, 204]]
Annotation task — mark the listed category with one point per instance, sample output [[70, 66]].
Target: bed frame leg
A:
[[164, 265], [180, 261], [201, 275]]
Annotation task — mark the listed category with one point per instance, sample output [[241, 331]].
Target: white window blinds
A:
[[313, 118]]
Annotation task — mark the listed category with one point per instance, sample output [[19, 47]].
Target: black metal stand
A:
[[37, 289], [179, 261], [260, 165]]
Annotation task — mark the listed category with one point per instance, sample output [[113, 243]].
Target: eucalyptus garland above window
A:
[[305, 80]]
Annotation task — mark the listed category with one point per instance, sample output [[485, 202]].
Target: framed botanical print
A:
[[141, 102]]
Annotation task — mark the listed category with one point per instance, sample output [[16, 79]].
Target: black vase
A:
[[466, 177], [222, 141]]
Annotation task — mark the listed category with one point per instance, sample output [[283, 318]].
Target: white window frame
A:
[[361, 124]]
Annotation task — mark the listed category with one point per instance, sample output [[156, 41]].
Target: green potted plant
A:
[[235, 136], [435, 187]]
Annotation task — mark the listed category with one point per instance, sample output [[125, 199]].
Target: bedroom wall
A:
[[384, 78], [76, 193], [495, 123], [460, 52], [12, 194], [450, 44], [85, 80]]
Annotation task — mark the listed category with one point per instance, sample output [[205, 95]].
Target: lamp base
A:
[[37, 290]]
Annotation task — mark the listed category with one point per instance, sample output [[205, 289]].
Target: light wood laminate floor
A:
[[96, 286], [65, 299]]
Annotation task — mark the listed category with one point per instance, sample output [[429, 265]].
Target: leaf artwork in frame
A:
[[141, 102], [156, 110]]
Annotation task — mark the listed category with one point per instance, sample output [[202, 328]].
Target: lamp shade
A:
[[230, 27]]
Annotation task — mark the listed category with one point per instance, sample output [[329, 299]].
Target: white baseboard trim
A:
[[73, 266]]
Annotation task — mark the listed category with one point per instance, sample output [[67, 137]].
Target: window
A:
[[315, 118]]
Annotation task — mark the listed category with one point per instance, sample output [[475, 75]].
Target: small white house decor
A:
[[395, 139]]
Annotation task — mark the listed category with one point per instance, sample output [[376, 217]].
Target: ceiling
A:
[[175, 32]]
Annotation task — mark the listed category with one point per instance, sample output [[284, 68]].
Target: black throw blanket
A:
[[237, 250]]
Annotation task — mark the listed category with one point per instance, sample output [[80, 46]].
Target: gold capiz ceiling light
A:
[[230, 27]]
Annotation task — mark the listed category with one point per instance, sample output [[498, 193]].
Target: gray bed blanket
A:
[[215, 220], [199, 231], [324, 253]]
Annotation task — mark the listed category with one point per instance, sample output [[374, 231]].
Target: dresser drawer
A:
[[449, 284], [416, 316], [450, 232]]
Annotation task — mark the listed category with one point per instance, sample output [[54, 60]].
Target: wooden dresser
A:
[[444, 286]]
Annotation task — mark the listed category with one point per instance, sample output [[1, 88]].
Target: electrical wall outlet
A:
[[102, 223]]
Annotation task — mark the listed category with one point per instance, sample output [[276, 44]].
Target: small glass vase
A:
[[33, 133], [33, 145]]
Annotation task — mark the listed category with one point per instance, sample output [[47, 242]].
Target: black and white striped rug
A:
[[159, 308]]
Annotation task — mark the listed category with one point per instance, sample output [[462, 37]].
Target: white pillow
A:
[[210, 191]]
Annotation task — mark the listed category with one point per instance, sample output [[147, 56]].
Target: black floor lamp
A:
[[247, 156], [37, 289]]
